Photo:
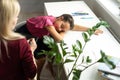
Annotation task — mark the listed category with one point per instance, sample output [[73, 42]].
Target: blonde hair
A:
[[8, 10]]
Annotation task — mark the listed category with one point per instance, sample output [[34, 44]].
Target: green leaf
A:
[[63, 49], [74, 50], [104, 23], [79, 44], [68, 60], [90, 32], [82, 59], [51, 53], [104, 58], [85, 37], [75, 54], [88, 59], [72, 55], [58, 59], [76, 74], [48, 41], [80, 51]]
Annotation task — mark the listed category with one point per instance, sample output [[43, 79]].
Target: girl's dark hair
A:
[[68, 18]]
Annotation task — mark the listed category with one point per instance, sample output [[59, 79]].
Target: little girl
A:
[[50, 25]]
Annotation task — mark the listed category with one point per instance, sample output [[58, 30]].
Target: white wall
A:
[[29, 6]]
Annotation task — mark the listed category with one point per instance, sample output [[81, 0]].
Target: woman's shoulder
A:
[[18, 44], [22, 40], [18, 41]]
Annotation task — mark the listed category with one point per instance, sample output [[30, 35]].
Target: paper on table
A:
[[105, 69]]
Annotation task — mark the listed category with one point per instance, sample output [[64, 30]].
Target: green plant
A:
[[58, 58]]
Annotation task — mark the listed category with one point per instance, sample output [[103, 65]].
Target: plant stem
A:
[[78, 57], [76, 60], [89, 66]]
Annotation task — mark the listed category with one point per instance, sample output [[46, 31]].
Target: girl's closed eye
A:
[[65, 27], [62, 27]]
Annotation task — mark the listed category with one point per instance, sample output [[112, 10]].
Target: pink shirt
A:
[[20, 65], [36, 25]]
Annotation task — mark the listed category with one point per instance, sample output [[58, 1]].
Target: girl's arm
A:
[[57, 36], [80, 28], [83, 28]]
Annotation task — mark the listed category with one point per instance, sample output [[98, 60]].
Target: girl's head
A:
[[64, 23], [9, 10]]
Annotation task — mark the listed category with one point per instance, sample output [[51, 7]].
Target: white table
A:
[[105, 41]]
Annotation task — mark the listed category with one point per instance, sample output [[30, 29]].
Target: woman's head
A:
[[9, 10], [64, 23]]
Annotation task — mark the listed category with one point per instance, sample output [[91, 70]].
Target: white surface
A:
[[105, 41]]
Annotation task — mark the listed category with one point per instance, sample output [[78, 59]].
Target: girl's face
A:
[[61, 26]]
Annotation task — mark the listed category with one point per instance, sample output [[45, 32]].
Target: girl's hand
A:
[[98, 31], [33, 44]]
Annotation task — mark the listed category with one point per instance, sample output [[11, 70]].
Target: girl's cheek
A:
[[56, 26]]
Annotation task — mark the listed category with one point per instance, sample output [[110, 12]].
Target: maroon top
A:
[[36, 25], [19, 65]]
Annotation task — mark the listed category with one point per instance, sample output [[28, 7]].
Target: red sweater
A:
[[19, 65]]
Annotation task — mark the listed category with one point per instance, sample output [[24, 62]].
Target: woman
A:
[[16, 55]]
